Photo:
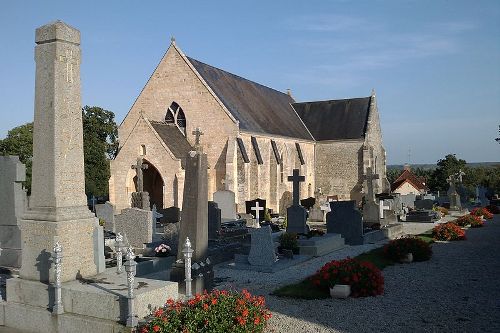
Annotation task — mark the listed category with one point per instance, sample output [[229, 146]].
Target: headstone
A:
[[170, 215], [171, 235], [285, 202], [345, 219], [262, 251], [257, 209], [13, 203], [296, 214], [482, 196], [214, 220], [136, 225], [408, 200], [308, 203], [251, 203], [424, 204], [226, 202], [155, 215], [371, 210], [106, 212], [58, 205], [140, 199], [454, 197]]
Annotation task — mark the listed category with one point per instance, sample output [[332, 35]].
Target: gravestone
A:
[[258, 211], [345, 219], [482, 196], [296, 214], [140, 199], [226, 202], [106, 212], [262, 251], [371, 209], [13, 203], [426, 204], [316, 214], [136, 225], [285, 202], [308, 203], [454, 197], [155, 215], [170, 215], [214, 220], [408, 200], [251, 203]]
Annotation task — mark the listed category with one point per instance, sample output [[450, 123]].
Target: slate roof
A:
[[335, 119], [173, 138], [408, 176], [258, 108]]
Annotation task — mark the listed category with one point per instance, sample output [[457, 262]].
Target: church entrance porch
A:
[[153, 184]]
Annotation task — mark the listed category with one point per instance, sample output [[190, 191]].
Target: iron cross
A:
[[296, 179], [197, 133], [138, 169]]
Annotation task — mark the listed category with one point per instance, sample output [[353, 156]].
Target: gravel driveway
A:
[[458, 290]]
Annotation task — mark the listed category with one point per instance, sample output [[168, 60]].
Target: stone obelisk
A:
[[58, 206]]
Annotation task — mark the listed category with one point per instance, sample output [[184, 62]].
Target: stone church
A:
[[253, 135]]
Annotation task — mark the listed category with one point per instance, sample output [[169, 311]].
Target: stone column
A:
[[58, 205]]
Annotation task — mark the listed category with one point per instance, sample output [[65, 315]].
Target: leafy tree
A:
[[392, 174], [99, 145], [445, 167], [19, 141]]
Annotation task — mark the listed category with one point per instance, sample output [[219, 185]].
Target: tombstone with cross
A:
[[371, 209], [197, 133], [140, 199], [257, 208], [296, 214], [453, 196]]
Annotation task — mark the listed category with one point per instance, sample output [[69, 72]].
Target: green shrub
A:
[[288, 241]]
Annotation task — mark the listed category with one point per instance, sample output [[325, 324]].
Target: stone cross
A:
[[138, 169], [197, 133], [296, 179], [460, 174], [369, 177], [257, 208]]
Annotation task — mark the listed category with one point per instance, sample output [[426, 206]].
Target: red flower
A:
[[156, 328], [205, 306]]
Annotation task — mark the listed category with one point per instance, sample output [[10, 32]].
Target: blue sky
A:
[[435, 65]]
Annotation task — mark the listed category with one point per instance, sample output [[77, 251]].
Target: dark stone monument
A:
[[308, 203], [194, 221], [140, 199], [345, 219], [214, 220], [170, 215], [296, 215], [424, 204], [455, 203], [250, 204]]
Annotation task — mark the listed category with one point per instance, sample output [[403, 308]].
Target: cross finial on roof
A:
[[172, 40], [289, 92], [373, 92]]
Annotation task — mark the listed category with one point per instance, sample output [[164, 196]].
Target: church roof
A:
[[335, 119], [410, 177], [173, 138], [258, 108]]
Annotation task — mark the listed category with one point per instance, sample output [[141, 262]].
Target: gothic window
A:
[[175, 115]]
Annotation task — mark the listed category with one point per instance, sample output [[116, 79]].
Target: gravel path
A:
[[456, 291]]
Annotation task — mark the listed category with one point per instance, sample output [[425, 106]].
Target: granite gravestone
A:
[[106, 212], [285, 202], [251, 204], [140, 199], [296, 214], [426, 204], [262, 251], [136, 225], [345, 219], [226, 202], [214, 220], [13, 203], [308, 203], [170, 215], [371, 209]]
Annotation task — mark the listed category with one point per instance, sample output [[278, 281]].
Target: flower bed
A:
[[448, 231], [218, 311], [466, 220], [493, 209], [364, 278], [398, 248], [478, 223], [481, 211]]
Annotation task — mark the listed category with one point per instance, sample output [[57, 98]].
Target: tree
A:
[[19, 141], [99, 145], [445, 167]]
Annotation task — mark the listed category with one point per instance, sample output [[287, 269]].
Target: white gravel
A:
[[456, 291]]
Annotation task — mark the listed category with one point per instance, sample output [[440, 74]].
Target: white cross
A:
[[68, 59], [257, 208], [382, 208]]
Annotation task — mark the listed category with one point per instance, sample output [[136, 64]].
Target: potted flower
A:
[[162, 250], [408, 249]]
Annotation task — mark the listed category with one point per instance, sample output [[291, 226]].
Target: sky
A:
[[435, 65]]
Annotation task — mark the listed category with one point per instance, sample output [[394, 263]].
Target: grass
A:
[[426, 237]]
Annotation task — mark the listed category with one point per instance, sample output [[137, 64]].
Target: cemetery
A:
[[266, 243]]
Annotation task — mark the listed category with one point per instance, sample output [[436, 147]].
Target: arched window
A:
[[175, 115]]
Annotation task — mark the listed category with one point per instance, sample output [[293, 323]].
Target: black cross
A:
[[296, 179], [197, 133], [138, 169]]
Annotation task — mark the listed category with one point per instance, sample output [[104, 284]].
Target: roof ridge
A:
[[241, 77], [332, 100]]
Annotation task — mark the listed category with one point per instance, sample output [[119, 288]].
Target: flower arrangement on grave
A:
[[477, 223], [364, 277], [288, 241], [466, 220], [399, 248], [315, 233], [493, 209], [218, 311], [448, 231], [442, 210], [481, 211], [162, 250]]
